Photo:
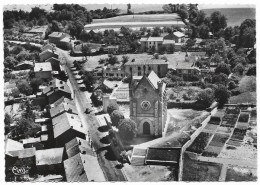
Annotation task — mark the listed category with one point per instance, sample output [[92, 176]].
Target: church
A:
[[148, 104]]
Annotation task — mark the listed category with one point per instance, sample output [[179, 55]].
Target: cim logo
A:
[[20, 170]]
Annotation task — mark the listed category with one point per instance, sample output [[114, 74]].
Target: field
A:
[[235, 16], [241, 174], [200, 171], [139, 18]]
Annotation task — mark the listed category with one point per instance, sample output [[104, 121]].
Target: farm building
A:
[[113, 71], [48, 47], [61, 108], [56, 37], [55, 63], [43, 70]]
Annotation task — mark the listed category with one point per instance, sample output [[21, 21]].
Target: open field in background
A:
[[140, 18], [241, 174], [235, 16]]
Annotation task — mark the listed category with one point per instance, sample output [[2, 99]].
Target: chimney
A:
[[79, 142]]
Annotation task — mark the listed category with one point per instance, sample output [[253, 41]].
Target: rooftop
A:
[[23, 153], [78, 145], [145, 61], [25, 62], [49, 156], [65, 39], [168, 42], [12, 145], [56, 34], [67, 121], [63, 100], [155, 39], [63, 107], [178, 34], [47, 51], [77, 169], [56, 84], [51, 59], [43, 66]]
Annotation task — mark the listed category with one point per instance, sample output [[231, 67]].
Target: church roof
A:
[[154, 79]]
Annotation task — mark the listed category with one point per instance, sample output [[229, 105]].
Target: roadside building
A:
[[43, 70], [38, 30], [66, 127], [143, 42], [48, 47], [44, 55], [50, 161], [24, 65], [78, 145], [56, 37], [65, 43], [55, 63], [56, 90], [139, 67], [63, 100], [83, 168], [61, 108]]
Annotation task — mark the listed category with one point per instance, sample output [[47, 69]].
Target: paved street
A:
[[83, 102]]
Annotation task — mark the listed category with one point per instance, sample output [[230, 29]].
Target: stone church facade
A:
[[148, 104]]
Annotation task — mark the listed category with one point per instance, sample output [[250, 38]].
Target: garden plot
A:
[[241, 174], [212, 151], [229, 120], [225, 130], [200, 171], [211, 128], [238, 134], [243, 121], [200, 143], [232, 142]]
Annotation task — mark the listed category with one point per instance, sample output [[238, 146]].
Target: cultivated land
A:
[[140, 18]]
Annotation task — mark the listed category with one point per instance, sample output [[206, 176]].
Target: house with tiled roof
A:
[[55, 63], [44, 55], [56, 37], [48, 47], [50, 161], [43, 70], [61, 108], [56, 90], [83, 168], [139, 67], [12, 145], [78, 145], [63, 100], [66, 127]]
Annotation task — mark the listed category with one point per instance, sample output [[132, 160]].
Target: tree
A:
[[88, 80], [247, 35], [222, 95], [203, 31], [231, 85], [115, 117], [251, 71], [239, 69], [229, 33], [189, 44], [220, 78], [170, 48], [218, 21], [127, 129], [222, 68], [205, 98], [10, 62], [162, 49], [112, 59], [35, 83], [129, 9], [85, 50], [111, 107], [125, 59], [24, 87]]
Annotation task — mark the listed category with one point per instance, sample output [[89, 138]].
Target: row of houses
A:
[[62, 149]]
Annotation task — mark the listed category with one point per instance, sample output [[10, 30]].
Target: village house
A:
[[38, 30], [24, 65], [43, 70], [57, 89], [48, 54], [48, 47], [111, 49], [63, 100], [50, 161], [83, 168], [155, 42], [78, 145], [33, 143], [12, 145], [55, 63], [66, 127], [113, 71], [65, 43], [61, 108], [177, 37], [148, 104], [56, 37], [139, 67]]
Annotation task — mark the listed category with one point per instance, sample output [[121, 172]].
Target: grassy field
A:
[[235, 16], [140, 18], [241, 174]]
